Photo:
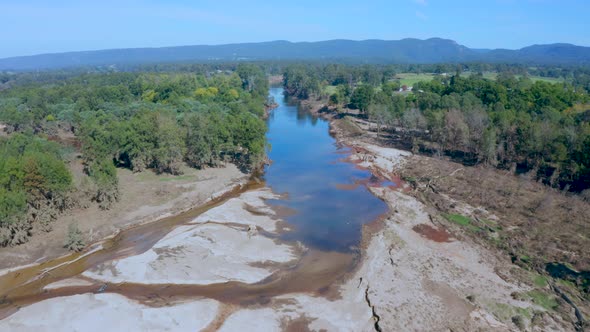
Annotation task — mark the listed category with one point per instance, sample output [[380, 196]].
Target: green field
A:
[[409, 79], [487, 75], [545, 79], [494, 75]]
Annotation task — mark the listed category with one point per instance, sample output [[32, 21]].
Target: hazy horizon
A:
[[269, 41], [39, 26]]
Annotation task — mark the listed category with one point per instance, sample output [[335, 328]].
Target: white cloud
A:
[[421, 15]]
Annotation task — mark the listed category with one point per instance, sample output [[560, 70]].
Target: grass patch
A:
[[492, 225], [490, 75], [543, 299], [567, 284], [409, 79], [410, 179], [458, 219], [546, 79], [540, 281], [487, 75], [329, 89], [461, 221], [493, 76], [505, 311], [497, 240]]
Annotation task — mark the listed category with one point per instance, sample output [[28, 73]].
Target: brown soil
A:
[[431, 233]]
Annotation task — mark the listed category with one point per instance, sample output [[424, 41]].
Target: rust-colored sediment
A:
[[317, 272], [431, 233], [300, 324]]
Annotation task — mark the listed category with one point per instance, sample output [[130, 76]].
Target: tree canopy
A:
[[509, 121], [138, 120]]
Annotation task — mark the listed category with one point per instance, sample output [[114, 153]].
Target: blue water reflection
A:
[[308, 165]]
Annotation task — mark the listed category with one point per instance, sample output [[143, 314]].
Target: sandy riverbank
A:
[[145, 197]]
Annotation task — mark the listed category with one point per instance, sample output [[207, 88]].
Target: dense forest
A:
[[509, 122], [138, 120]]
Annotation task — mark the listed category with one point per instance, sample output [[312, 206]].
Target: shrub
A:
[[74, 239]]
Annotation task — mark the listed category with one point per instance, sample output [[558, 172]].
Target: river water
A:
[[309, 166], [321, 189]]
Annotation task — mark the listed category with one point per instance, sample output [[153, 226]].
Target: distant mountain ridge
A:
[[410, 50]]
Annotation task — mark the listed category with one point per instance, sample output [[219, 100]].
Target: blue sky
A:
[[37, 26]]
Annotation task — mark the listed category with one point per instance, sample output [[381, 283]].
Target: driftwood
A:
[[432, 181]]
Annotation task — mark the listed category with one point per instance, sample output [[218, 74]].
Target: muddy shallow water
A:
[[328, 203]]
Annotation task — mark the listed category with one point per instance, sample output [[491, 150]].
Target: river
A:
[[326, 197], [309, 165]]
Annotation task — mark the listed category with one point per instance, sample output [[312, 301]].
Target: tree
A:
[[489, 146], [458, 131], [413, 119], [104, 175], [362, 97], [380, 115], [169, 146], [335, 99]]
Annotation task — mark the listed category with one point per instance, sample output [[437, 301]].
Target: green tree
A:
[[170, 147], [362, 97]]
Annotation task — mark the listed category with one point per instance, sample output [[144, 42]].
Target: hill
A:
[[434, 50]]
